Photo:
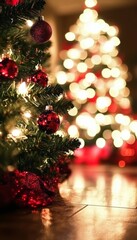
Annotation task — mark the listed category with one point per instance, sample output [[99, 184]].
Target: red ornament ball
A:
[[48, 121], [40, 77], [41, 31], [8, 68], [13, 2]]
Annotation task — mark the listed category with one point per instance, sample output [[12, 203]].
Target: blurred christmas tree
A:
[[34, 156], [94, 77]]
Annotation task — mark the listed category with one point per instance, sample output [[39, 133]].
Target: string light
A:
[[22, 88], [29, 23], [90, 3], [27, 114], [97, 82], [16, 134]]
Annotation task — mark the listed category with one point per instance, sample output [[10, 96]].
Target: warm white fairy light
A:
[[124, 103], [103, 102], [107, 47], [133, 126], [115, 41], [106, 59], [90, 93], [100, 118], [116, 134], [115, 72], [73, 131], [83, 84], [74, 87], [73, 53], [82, 67], [70, 36], [22, 88], [125, 134], [68, 63], [113, 31], [88, 15], [27, 114], [93, 129], [70, 77], [118, 142], [73, 111], [106, 73], [92, 28], [90, 77], [16, 134], [119, 118], [86, 43], [90, 3], [82, 95], [114, 92], [96, 59], [61, 77], [100, 142], [84, 120], [29, 23]]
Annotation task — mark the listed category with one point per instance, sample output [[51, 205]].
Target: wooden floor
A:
[[95, 203]]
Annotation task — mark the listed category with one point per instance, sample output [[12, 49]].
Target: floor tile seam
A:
[[111, 206], [79, 210]]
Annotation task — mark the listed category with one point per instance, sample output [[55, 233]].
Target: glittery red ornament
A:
[[31, 191], [41, 31], [48, 121], [13, 2], [25, 189], [8, 68], [40, 77]]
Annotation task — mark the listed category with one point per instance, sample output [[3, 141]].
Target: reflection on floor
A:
[[97, 203]]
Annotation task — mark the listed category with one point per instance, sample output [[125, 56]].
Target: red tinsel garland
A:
[[25, 189]]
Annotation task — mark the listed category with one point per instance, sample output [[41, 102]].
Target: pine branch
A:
[[42, 150], [28, 9], [62, 106], [41, 97]]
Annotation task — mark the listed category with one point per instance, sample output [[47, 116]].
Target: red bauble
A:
[[13, 2], [48, 121], [40, 77], [41, 31], [8, 68]]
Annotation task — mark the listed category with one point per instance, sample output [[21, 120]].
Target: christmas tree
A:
[[34, 155], [94, 76]]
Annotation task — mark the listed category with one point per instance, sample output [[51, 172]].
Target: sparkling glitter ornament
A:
[[41, 31], [8, 68], [48, 121], [40, 77], [25, 189], [31, 191], [13, 2]]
